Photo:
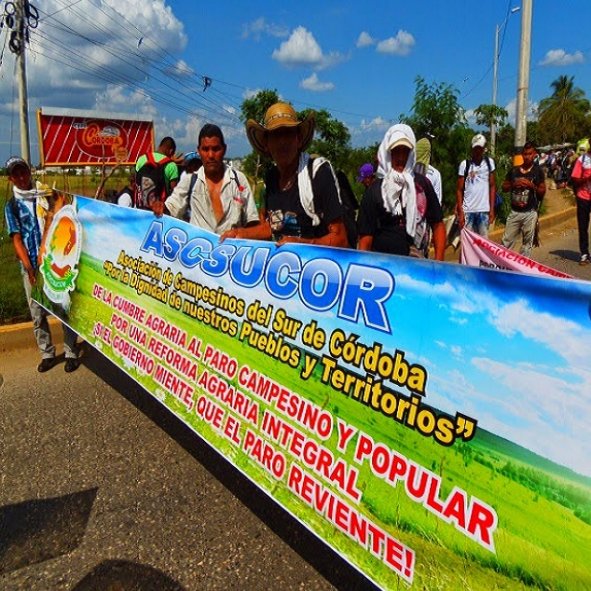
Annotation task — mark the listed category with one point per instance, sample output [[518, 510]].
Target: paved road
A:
[[102, 489], [560, 249]]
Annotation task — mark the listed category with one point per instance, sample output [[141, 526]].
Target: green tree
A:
[[437, 114], [331, 137], [563, 115], [255, 108], [489, 114]]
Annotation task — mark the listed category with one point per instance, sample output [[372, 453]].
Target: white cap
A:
[[478, 140]]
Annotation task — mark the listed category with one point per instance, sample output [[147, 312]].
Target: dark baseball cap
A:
[[14, 162]]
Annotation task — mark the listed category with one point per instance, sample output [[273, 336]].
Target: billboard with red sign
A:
[[69, 137]]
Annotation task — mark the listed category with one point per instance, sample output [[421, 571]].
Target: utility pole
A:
[[523, 80], [493, 125], [21, 72]]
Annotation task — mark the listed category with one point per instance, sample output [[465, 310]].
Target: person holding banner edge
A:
[[28, 215], [527, 187]]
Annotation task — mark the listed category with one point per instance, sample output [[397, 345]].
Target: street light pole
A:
[[523, 81], [493, 126]]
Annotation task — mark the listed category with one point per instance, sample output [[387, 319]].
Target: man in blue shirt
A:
[[25, 219]]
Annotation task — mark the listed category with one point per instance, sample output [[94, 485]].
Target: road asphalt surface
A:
[[103, 489]]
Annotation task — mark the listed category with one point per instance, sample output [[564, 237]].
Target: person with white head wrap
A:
[[398, 208]]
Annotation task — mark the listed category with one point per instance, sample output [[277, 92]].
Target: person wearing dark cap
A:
[[302, 202], [27, 213], [366, 174]]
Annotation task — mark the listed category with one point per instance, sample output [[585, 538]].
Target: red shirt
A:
[[582, 170]]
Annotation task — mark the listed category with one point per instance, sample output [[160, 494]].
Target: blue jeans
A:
[[477, 222]]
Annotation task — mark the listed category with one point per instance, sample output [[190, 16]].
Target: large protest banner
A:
[[428, 421]]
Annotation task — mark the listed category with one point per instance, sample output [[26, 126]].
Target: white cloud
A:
[[401, 44], [365, 39], [563, 337], [112, 57], [119, 99], [377, 123], [559, 57], [259, 27], [313, 83], [532, 110], [302, 49], [180, 69]]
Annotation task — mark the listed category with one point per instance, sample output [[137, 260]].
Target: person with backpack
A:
[[476, 189], [527, 186], [126, 195], [156, 175], [217, 197], [401, 207], [581, 179], [27, 214], [302, 196]]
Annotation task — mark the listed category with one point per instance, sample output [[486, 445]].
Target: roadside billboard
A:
[[70, 137], [428, 421]]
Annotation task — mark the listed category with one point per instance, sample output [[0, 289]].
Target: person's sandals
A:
[[46, 364], [72, 364]]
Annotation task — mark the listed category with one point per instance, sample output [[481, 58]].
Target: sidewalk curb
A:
[[20, 335]]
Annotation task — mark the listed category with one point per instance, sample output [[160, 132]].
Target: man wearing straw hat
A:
[[302, 202]]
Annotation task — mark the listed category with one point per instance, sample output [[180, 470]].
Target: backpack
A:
[[150, 182], [419, 247], [498, 196], [347, 199]]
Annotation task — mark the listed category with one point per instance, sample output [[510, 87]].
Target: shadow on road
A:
[[327, 562], [121, 575], [41, 529], [569, 255]]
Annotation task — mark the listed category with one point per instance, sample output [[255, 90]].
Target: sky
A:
[[358, 60], [507, 349]]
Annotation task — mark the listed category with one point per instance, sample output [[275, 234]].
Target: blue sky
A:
[[507, 349], [358, 60]]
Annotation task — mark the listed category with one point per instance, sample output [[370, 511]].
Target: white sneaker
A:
[[584, 259]]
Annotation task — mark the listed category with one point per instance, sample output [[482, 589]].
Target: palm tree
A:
[[563, 115]]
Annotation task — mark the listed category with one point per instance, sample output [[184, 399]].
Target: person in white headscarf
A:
[[399, 208]]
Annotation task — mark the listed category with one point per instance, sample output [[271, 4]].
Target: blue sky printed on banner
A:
[[509, 350]]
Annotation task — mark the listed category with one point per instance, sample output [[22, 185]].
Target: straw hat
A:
[[277, 116]]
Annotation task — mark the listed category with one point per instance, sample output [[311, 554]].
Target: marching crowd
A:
[[305, 200]]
